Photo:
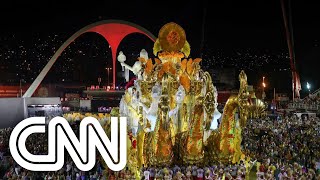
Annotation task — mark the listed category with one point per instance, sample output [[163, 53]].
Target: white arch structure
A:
[[112, 30]]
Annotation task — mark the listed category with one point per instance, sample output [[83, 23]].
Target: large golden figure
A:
[[235, 114], [158, 143], [189, 147], [193, 151], [172, 107]]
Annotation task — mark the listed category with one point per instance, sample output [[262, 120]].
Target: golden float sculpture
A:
[[172, 106]]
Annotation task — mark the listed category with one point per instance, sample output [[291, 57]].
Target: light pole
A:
[[263, 86], [99, 81], [108, 70], [21, 81]]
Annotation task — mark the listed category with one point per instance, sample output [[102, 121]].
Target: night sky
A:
[[228, 25]]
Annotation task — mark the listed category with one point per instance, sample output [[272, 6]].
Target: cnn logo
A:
[[61, 137]]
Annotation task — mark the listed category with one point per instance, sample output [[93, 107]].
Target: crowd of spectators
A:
[[286, 140], [241, 171]]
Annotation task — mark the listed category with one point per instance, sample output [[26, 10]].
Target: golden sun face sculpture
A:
[[172, 39]]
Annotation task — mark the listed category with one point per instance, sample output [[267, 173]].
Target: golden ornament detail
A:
[[173, 38], [156, 47], [186, 49]]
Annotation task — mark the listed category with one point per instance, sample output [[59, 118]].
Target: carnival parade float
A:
[[172, 109]]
